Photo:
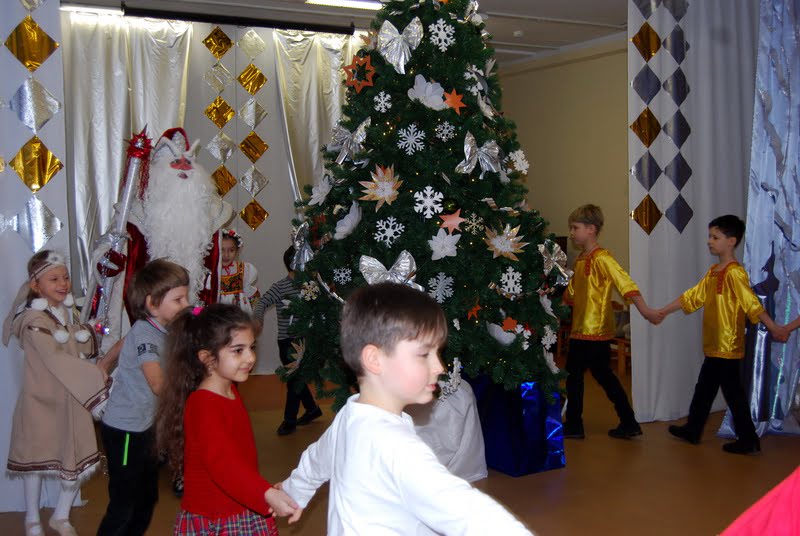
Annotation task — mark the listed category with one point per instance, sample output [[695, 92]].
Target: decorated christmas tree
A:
[[425, 187]]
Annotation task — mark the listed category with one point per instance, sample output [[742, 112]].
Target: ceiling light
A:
[[352, 4]]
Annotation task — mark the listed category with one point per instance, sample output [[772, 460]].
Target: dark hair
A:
[[210, 329], [588, 215], [730, 225], [156, 279], [288, 256], [385, 314]]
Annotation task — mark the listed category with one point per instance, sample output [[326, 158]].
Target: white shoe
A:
[[62, 526], [34, 528]]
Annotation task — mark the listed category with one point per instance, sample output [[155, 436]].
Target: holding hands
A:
[[281, 504]]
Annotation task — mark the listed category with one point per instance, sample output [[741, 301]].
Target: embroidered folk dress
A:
[[52, 431], [237, 285]]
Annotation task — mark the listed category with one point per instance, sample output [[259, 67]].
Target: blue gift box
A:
[[522, 431]]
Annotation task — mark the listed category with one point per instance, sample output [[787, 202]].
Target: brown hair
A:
[[35, 262], [211, 329], [588, 215], [385, 314], [156, 279]]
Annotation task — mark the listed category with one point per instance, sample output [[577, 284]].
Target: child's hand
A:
[[295, 516], [780, 333], [280, 502]]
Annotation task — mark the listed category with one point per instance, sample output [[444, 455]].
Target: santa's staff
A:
[[113, 260]]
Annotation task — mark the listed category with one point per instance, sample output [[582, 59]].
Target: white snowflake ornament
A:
[[309, 291], [389, 230], [443, 245], [511, 281], [474, 224], [440, 287], [428, 202], [445, 131], [342, 276], [411, 139], [549, 338], [519, 161], [383, 102], [441, 34]]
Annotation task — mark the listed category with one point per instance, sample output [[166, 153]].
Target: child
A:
[[237, 279], [158, 292], [726, 296], [52, 433], [383, 478], [593, 326], [204, 427], [280, 294]]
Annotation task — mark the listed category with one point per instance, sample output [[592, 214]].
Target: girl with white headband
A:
[[52, 434]]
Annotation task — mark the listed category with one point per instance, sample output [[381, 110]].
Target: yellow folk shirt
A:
[[589, 294], [726, 297]]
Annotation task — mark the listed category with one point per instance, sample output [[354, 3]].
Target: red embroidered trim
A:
[[55, 465], [100, 396], [587, 270], [583, 337], [721, 275], [632, 293]]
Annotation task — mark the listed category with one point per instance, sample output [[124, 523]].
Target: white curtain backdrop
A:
[[719, 68], [120, 75], [310, 76]]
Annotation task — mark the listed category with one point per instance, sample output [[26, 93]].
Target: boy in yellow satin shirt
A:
[[726, 298], [593, 323]]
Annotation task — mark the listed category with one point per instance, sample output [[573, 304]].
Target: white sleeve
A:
[[313, 470], [444, 502], [250, 277]]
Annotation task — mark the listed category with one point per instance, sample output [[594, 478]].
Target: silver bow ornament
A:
[[396, 47], [403, 271], [489, 156], [554, 257], [302, 250], [349, 143]]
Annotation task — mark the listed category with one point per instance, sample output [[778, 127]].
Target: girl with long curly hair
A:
[[203, 426]]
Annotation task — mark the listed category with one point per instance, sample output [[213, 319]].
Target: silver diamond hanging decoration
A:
[[252, 113], [221, 147], [31, 5], [253, 181], [677, 86], [251, 44], [678, 8], [646, 84], [679, 213], [34, 105], [678, 171], [218, 77], [36, 224], [646, 170], [646, 7], [676, 44], [678, 129]]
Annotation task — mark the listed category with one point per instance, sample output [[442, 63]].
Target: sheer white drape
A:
[[720, 70], [310, 79], [120, 75]]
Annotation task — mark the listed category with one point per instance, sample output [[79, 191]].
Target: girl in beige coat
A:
[[52, 431]]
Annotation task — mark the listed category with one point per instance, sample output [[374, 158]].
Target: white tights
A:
[[33, 490]]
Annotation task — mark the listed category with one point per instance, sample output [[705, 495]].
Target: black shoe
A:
[[309, 416], [177, 486], [573, 431], [286, 428], [742, 446], [626, 431], [682, 432]]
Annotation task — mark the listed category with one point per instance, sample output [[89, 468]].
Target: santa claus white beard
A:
[[178, 222]]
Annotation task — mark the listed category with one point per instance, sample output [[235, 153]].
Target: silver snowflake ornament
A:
[[309, 291], [445, 131], [440, 287], [549, 338], [474, 224], [428, 202], [388, 231], [511, 281], [442, 34], [383, 102], [342, 276], [411, 139], [519, 160]]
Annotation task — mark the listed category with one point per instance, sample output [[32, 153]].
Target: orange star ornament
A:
[[474, 312], [509, 324], [452, 221], [453, 100], [352, 73]]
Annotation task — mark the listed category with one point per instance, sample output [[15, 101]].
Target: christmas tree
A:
[[425, 186]]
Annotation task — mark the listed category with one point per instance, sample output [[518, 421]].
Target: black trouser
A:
[[717, 372], [296, 392], [595, 356], [132, 481]]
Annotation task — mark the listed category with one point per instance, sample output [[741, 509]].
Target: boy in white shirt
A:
[[384, 480]]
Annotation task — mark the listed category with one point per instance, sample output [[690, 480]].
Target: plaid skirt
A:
[[244, 524]]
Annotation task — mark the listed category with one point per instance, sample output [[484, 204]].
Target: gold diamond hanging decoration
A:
[[224, 180], [646, 127], [30, 44], [252, 79], [218, 42], [35, 164], [253, 147], [31, 5], [254, 214], [2, 164], [646, 41], [219, 112], [646, 214]]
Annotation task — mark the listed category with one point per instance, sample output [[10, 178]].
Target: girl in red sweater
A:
[[204, 427]]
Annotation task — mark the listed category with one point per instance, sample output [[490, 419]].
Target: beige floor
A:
[[653, 485]]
